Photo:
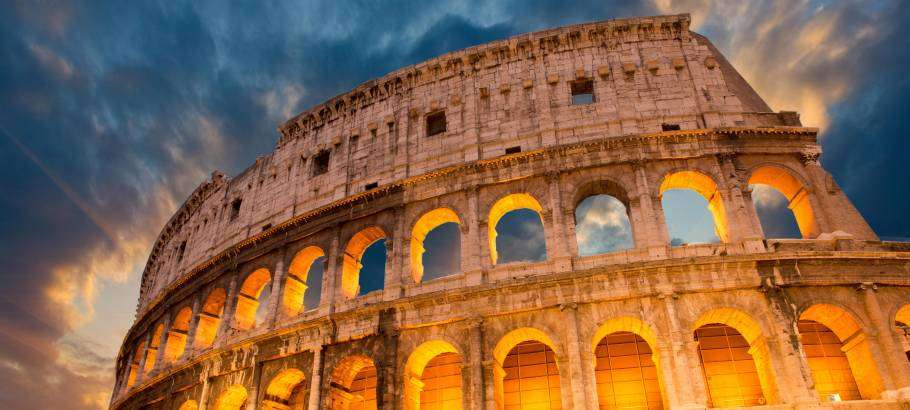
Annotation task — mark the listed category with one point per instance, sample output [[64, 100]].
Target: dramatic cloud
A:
[[602, 225], [113, 113]]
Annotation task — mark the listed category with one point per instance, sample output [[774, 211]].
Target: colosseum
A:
[[258, 295]]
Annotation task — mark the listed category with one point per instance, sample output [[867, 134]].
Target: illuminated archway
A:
[[502, 207], [525, 374], [602, 222], [248, 298], [354, 384], [210, 318], [232, 398], [902, 323], [850, 340], [176, 335], [284, 391], [432, 377], [353, 254], [627, 368], [428, 222], [151, 353], [707, 188], [295, 286], [134, 365], [794, 191], [735, 359], [189, 405]]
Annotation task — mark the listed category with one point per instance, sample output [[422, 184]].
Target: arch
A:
[[248, 298], [707, 188], [526, 351], [440, 390], [176, 335], [902, 323], [278, 394], [503, 206], [735, 359], [353, 384], [627, 368], [134, 365], [600, 187], [353, 253], [426, 223], [794, 191], [189, 405], [602, 224], [853, 343], [210, 318], [151, 352], [295, 285], [232, 398], [903, 315]]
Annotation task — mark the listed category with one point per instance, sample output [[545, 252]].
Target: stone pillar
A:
[[652, 233], [895, 359], [203, 398], [331, 274], [278, 281], [475, 389], [569, 314], [227, 317], [791, 371], [686, 379], [557, 235], [492, 375], [194, 323], [739, 217], [315, 380], [472, 261], [393, 286], [252, 403], [162, 343]]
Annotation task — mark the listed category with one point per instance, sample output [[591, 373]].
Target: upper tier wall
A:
[[645, 72]]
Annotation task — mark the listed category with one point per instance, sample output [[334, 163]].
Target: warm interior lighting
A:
[[795, 192], [828, 363], [176, 335], [280, 393], [627, 376], [233, 398], [429, 221], [151, 354], [503, 206], [432, 377], [704, 186], [189, 405], [248, 298], [295, 286], [526, 377], [730, 373], [354, 384], [353, 253], [210, 318]]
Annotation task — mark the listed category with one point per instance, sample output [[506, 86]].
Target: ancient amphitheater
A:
[[235, 312]]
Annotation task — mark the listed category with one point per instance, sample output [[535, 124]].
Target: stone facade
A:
[[665, 111]]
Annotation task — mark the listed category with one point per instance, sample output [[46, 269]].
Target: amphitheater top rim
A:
[[683, 19]]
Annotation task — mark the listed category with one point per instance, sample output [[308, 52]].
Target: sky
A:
[[113, 112]]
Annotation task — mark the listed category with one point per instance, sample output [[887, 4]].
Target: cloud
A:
[[602, 225]]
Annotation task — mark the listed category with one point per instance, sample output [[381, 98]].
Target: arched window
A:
[[299, 285], [433, 377], [134, 365], [285, 391], [838, 354], [527, 376], [436, 245], [602, 219], [516, 230], [627, 370], [354, 384], [151, 354], [782, 203], [253, 292], [176, 335], [233, 398], [363, 268], [210, 318], [902, 322], [685, 195]]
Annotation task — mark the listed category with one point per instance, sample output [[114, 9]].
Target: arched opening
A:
[[627, 369], [232, 398], [134, 365], [684, 210], [354, 384], [525, 372], [433, 377], [734, 359], [436, 245], [298, 283], [602, 222], [286, 391], [363, 268], [189, 405], [902, 322], [253, 291], [774, 189], [176, 335], [210, 318], [838, 354], [516, 230], [151, 353]]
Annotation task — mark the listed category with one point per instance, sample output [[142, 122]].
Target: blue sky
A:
[[113, 112]]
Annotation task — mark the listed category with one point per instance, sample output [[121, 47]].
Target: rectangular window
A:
[[180, 251], [371, 185], [582, 92], [436, 123], [321, 163], [669, 127], [235, 208], [513, 150]]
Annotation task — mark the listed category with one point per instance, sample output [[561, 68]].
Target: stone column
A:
[[471, 255], [475, 400], [557, 236], [315, 380], [228, 316], [393, 286], [685, 366], [162, 343], [203, 398], [278, 281], [140, 372], [194, 323], [569, 314], [252, 403], [739, 217], [895, 359], [652, 234], [331, 273]]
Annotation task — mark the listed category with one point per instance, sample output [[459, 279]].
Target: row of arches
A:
[[733, 353]]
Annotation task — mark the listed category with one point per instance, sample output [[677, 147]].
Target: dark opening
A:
[[266, 227], [235, 208], [321, 163], [391, 127], [436, 123], [582, 92], [180, 251], [513, 150], [669, 127], [370, 186], [373, 133]]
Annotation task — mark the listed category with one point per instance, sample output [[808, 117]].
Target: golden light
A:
[[354, 384], [151, 353], [295, 286], [704, 186], [234, 398], [795, 192], [210, 318], [503, 206], [429, 221], [189, 405], [525, 374], [279, 391], [627, 368], [176, 335], [353, 253], [248, 298], [432, 377]]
